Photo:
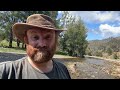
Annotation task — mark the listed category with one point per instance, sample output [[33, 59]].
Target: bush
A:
[[3, 43], [109, 51], [89, 53], [61, 53], [99, 53], [115, 56]]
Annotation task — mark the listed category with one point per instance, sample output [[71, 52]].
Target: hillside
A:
[[109, 46], [105, 42]]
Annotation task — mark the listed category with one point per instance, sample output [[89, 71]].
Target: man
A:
[[40, 36]]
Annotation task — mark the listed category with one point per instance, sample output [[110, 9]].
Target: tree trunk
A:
[[23, 45], [10, 39], [18, 43]]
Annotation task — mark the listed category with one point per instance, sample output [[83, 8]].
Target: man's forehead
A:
[[40, 31]]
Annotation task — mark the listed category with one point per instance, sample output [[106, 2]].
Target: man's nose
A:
[[42, 43]]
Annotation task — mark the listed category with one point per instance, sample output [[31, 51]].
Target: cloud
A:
[[108, 30], [59, 12], [97, 16]]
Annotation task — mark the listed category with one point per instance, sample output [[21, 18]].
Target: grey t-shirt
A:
[[21, 69]]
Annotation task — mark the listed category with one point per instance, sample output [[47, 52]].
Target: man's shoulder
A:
[[58, 63], [62, 68], [6, 63], [10, 69]]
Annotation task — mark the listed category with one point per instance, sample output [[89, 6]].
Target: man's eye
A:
[[48, 37], [35, 37]]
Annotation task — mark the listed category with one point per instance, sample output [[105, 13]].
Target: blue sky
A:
[[100, 24]]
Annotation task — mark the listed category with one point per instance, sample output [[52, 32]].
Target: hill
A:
[[108, 45]]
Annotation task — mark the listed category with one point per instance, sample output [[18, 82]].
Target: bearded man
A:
[[40, 36]]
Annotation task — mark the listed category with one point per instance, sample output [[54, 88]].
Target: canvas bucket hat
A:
[[34, 21]]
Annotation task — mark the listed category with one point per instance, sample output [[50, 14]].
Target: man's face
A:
[[41, 45]]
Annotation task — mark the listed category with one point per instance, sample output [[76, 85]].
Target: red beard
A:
[[40, 55]]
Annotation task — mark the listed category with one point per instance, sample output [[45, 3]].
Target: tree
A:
[[7, 19], [73, 41], [2, 35], [109, 51]]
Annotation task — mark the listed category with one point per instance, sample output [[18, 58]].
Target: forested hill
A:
[[104, 40], [109, 45]]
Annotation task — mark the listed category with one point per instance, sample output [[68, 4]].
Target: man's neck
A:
[[42, 67]]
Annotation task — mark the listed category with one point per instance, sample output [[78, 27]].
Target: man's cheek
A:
[[30, 50]]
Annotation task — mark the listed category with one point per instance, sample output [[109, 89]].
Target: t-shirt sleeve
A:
[[63, 69], [6, 70], [1, 70], [67, 72]]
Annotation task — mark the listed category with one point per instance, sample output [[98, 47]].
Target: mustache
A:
[[41, 48]]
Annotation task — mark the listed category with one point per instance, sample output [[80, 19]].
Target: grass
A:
[[13, 50], [4, 44], [21, 51]]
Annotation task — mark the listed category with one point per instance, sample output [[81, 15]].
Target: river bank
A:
[[114, 60]]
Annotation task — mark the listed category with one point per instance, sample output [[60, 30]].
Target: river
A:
[[92, 68]]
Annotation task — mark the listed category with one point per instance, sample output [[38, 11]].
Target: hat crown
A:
[[41, 20]]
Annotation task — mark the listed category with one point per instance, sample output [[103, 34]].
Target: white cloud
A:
[[97, 16], [59, 12], [108, 31]]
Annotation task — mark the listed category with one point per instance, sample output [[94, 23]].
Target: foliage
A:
[[109, 51], [2, 36], [88, 51], [99, 53], [61, 53], [3, 43], [115, 56], [73, 41]]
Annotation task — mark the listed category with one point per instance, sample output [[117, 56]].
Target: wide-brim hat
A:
[[34, 21]]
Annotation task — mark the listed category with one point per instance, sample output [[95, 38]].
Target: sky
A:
[[100, 24]]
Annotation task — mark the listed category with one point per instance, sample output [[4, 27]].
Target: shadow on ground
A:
[[10, 56]]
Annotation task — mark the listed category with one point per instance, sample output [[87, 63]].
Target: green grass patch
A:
[[5, 43], [60, 53], [14, 50]]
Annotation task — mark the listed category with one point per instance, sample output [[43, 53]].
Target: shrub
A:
[[115, 56], [3, 43], [99, 53], [61, 53]]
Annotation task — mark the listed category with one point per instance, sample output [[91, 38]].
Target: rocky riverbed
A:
[[87, 68]]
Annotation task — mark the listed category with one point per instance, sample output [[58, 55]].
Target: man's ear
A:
[[25, 40]]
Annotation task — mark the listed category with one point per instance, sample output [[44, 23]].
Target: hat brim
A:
[[19, 29]]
